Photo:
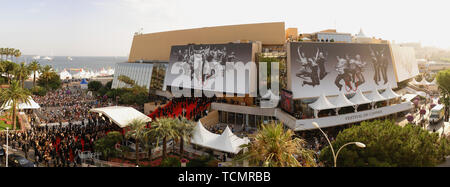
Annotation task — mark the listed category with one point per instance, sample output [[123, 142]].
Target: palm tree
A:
[[10, 68], [275, 147], [17, 53], [13, 96], [164, 130], [22, 72], [11, 53], [184, 129], [34, 67], [2, 52], [2, 67], [46, 74], [138, 132]]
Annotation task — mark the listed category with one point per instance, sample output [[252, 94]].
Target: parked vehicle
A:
[[19, 161], [437, 114]]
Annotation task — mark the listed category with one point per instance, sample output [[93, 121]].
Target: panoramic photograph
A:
[[230, 85]]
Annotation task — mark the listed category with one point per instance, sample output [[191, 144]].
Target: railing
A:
[[251, 110]]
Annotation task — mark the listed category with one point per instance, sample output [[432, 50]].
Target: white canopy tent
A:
[[226, 142], [121, 116], [270, 99], [65, 75], [415, 82], [424, 82], [409, 97], [23, 106], [423, 94], [390, 94], [375, 96], [360, 99], [321, 104], [341, 101]]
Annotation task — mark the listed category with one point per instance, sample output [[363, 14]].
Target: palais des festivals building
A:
[[330, 78]]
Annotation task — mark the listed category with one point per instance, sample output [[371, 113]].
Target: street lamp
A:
[[335, 156], [7, 145]]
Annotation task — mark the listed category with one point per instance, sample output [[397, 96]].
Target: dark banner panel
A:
[[205, 66], [287, 101], [331, 68]]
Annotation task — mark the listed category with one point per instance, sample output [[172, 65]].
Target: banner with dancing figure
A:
[[332, 68]]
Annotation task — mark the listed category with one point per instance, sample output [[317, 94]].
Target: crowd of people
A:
[[60, 145], [69, 104]]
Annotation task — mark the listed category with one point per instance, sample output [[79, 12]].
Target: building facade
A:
[[307, 70]]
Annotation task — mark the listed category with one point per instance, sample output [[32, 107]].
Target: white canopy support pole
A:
[[337, 111], [356, 108], [316, 113]]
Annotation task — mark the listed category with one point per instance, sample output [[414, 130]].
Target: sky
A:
[[106, 27]]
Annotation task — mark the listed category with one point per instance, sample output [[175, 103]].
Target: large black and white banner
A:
[[331, 68], [216, 67]]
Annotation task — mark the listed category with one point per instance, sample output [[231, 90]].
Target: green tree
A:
[[388, 145], [127, 80], [170, 162], [273, 146], [184, 131], [40, 91], [16, 53], [94, 85], [49, 79], [8, 68], [106, 145], [108, 85], [34, 67], [164, 129], [443, 80], [13, 96], [137, 131], [22, 72]]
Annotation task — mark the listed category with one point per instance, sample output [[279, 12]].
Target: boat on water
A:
[[36, 57], [48, 58], [69, 58]]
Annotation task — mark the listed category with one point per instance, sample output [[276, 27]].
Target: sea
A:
[[59, 63]]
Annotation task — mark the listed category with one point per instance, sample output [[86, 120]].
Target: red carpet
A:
[[178, 110]]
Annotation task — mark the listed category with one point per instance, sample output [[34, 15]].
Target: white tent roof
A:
[[322, 104], [121, 116], [360, 99], [375, 96], [390, 94], [270, 95], [409, 97], [423, 82], [415, 82], [434, 82], [423, 94], [22, 106], [65, 74], [342, 101], [226, 142]]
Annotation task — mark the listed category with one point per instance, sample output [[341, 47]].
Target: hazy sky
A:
[[106, 27]]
